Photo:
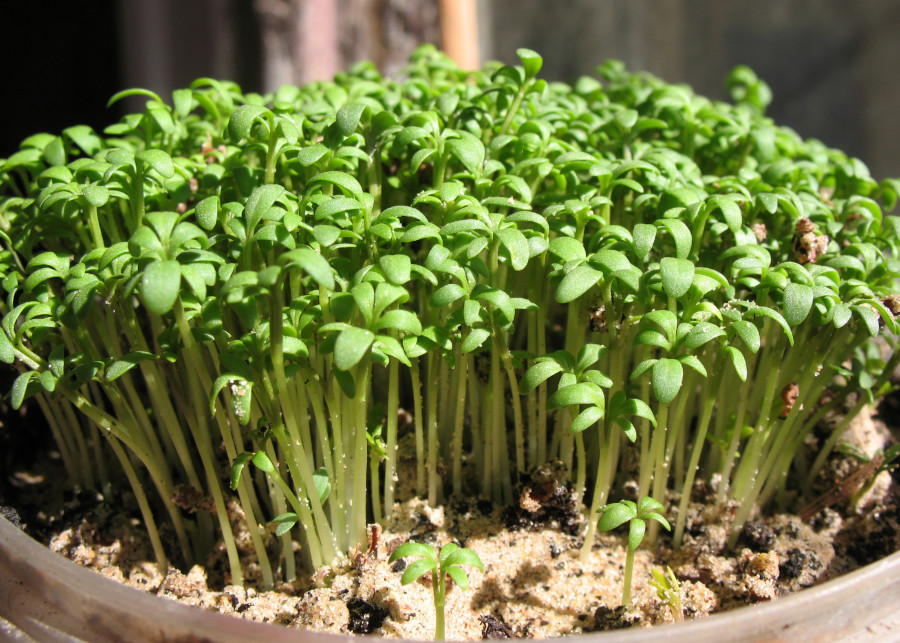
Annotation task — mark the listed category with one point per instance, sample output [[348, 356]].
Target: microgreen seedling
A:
[[448, 562], [611, 271], [636, 515], [669, 591]]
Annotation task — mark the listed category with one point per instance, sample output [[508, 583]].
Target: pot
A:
[[45, 597]]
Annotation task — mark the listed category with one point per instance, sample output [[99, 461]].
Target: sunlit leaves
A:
[[448, 561], [600, 249], [242, 120], [160, 285], [531, 61], [580, 393], [677, 276], [158, 161], [798, 300], [351, 345], [667, 376], [635, 514], [577, 282], [312, 263]]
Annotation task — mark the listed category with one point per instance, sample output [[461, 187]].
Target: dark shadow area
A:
[[61, 67]]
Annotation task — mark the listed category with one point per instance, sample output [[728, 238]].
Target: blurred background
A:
[[832, 65]]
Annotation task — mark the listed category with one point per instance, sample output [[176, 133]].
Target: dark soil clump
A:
[[547, 500], [365, 617], [494, 628]]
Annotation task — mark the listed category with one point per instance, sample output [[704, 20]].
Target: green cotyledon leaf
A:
[[242, 120], [350, 347], [577, 282], [667, 378], [616, 514], [531, 62], [677, 276], [579, 393], [120, 366], [157, 160], [160, 285], [798, 300], [460, 556], [586, 418], [284, 522], [538, 373], [517, 246]]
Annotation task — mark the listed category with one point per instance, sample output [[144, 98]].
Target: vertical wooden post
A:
[[459, 32], [146, 46], [300, 41], [317, 41]]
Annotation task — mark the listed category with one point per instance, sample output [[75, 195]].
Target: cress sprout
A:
[[636, 515], [446, 562], [609, 271]]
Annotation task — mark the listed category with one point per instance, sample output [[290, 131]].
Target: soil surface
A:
[[537, 580]]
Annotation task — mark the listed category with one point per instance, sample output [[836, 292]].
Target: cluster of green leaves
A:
[[446, 562], [536, 270], [668, 589], [636, 515]]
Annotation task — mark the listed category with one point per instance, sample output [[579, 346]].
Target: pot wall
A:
[[46, 598]]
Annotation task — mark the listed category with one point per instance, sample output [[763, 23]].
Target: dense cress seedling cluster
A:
[[615, 270]]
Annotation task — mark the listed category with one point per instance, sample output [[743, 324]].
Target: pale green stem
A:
[[709, 400], [475, 411], [661, 438], [433, 374], [375, 491], [518, 421], [146, 513], [462, 363], [657, 454], [77, 463], [497, 434], [358, 502], [137, 190], [514, 107], [300, 463], [629, 568], [601, 491], [113, 429], [419, 427], [200, 431], [329, 455], [94, 223], [581, 468], [390, 464], [301, 508], [438, 589]]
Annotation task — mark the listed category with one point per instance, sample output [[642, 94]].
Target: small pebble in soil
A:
[[365, 617], [493, 628], [547, 499], [757, 536]]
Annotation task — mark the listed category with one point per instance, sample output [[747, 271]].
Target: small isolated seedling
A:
[[669, 591], [448, 562], [636, 515]]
